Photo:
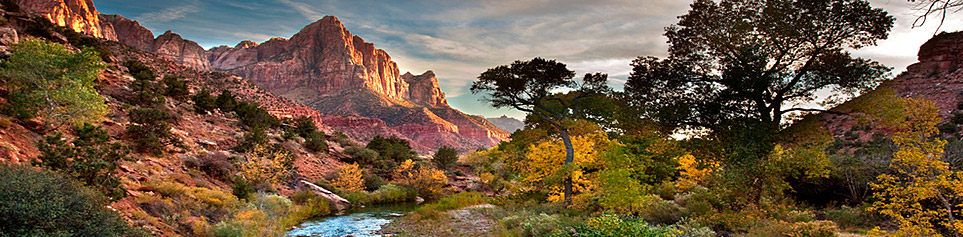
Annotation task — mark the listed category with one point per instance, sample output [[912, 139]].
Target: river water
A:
[[361, 222]]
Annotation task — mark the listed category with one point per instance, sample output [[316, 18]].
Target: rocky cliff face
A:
[[328, 68], [131, 32], [79, 15], [424, 89], [936, 77]]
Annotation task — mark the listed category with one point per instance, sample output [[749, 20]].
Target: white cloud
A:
[[168, 14], [304, 9]]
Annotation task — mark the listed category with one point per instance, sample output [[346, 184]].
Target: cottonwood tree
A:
[[531, 86], [755, 61]]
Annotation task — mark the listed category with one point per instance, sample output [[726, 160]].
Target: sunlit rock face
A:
[[79, 15], [328, 68], [172, 47]]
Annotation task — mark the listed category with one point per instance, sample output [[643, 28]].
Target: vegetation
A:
[[48, 81], [89, 158], [445, 157], [43, 203], [350, 178]]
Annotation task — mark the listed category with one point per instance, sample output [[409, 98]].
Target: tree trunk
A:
[[569, 158]]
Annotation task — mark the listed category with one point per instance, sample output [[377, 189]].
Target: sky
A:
[[459, 40]]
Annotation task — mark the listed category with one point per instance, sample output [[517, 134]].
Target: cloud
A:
[[304, 9], [168, 14]]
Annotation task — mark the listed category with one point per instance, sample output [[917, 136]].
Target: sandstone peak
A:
[[246, 44], [79, 15]]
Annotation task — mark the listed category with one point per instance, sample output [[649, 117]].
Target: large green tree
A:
[[49, 81], [755, 61], [531, 86]]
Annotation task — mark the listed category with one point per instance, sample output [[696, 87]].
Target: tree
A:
[[48, 80], [392, 148], [445, 157], [204, 102], [304, 126], [934, 7], [89, 158], [266, 166], [175, 88], [427, 181], [350, 178], [920, 191], [529, 86], [737, 61], [43, 203]]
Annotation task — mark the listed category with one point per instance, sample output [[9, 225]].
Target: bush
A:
[[175, 88], [393, 148], [49, 81], [390, 193], [350, 178], [5, 123], [362, 155], [253, 137], [89, 158], [226, 101], [42, 203], [427, 181], [241, 188], [445, 157], [373, 182], [304, 127], [204, 102], [151, 131], [315, 142], [217, 165], [663, 212]]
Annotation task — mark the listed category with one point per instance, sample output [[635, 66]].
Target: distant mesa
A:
[[507, 123], [357, 87]]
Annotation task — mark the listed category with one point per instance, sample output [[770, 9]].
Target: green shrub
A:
[[49, 81], [241, 188], [217, 165], [150, 130], [175, 88], [851, 218], [253, 137], [391, 193], [393, 148], [373, 182], [43, 203], [226, 101], [315, 142], [445, 157], [304, 127], [204, 102], [89, 158]]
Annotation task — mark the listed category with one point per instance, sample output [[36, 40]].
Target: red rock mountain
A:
[[938, 77], [357, 86], [79, 15]]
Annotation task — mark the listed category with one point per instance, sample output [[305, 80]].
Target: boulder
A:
[[336, 202]]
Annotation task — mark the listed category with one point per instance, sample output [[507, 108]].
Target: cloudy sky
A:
[[460, 39]]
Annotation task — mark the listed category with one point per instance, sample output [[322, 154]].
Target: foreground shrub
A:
[[89, 158], [43, 203], [427, 181]]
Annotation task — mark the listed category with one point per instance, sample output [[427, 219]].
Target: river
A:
[[360, 222]]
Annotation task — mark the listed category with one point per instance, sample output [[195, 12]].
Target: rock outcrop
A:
[[424, 89], [328, 68], [79, 15], [172, 47], [130, 32], [936, 77]]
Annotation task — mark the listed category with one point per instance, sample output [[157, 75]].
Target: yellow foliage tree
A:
[[265, 166], [921, 190], [544, 164], [350, 178], [692, 172], [429, 182]]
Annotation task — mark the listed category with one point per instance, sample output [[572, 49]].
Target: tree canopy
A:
[[757, 60]]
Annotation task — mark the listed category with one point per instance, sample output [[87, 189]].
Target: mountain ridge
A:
[[319, 66]]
